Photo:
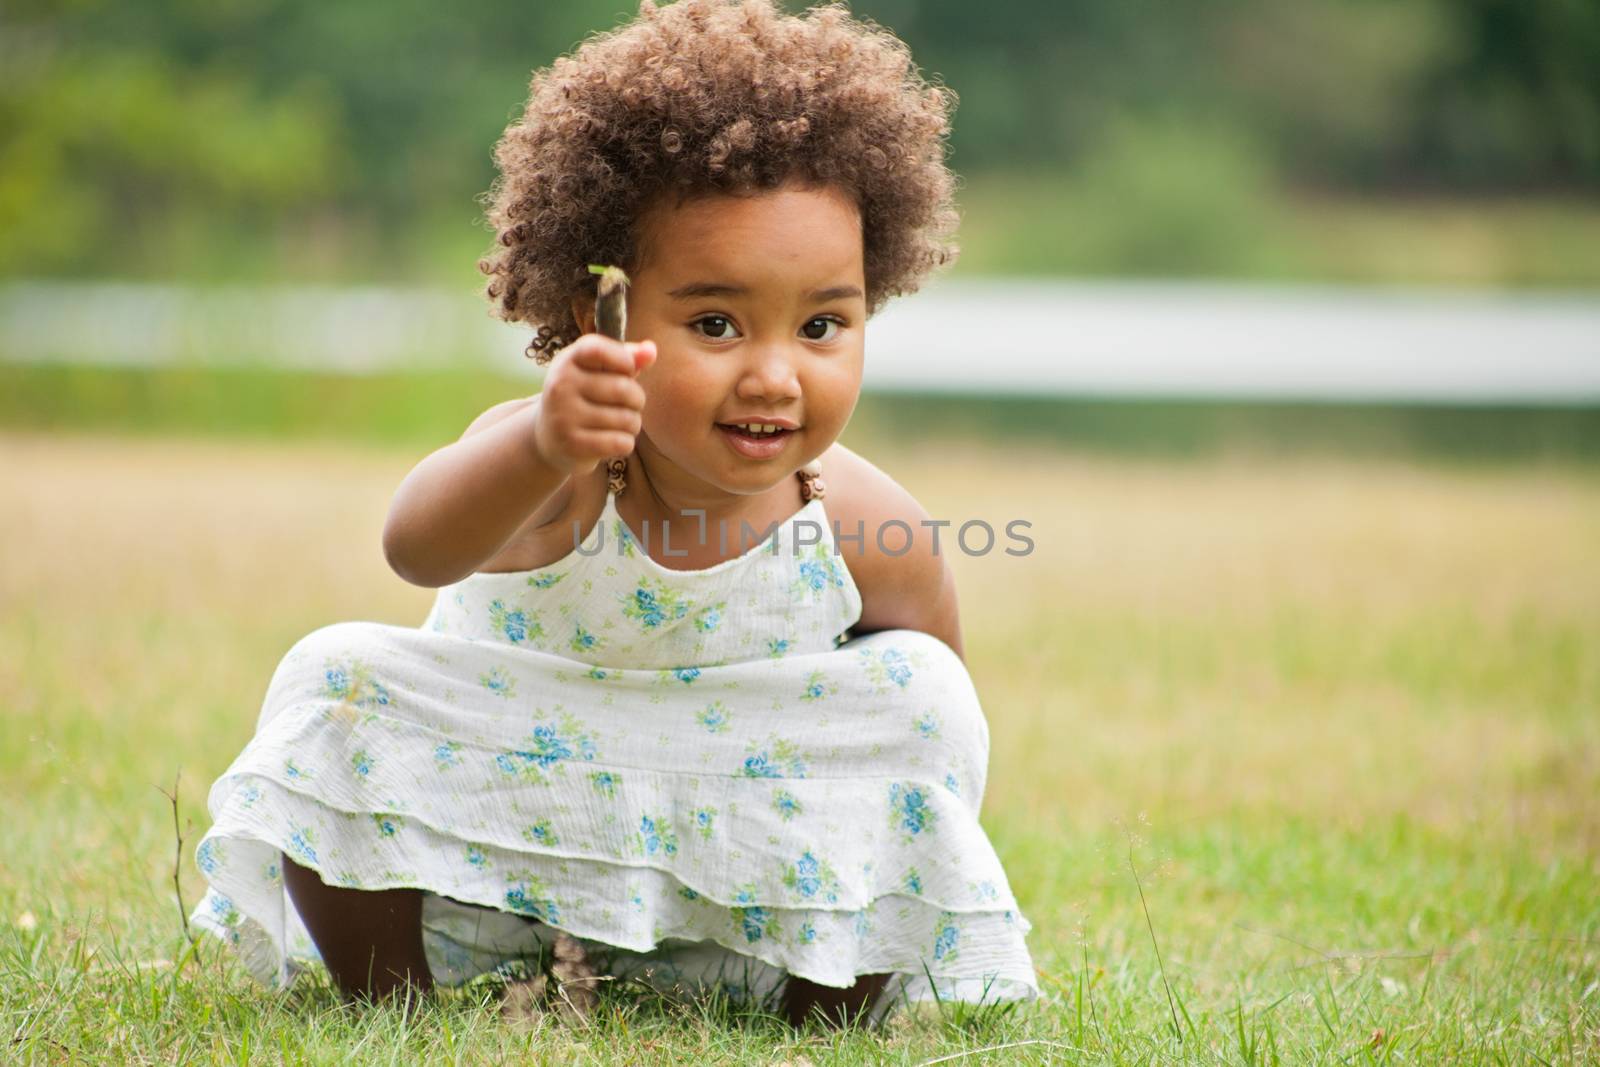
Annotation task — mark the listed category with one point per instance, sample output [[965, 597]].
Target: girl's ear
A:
[[583, 311]]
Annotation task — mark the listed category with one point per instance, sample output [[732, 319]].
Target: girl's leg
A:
[[838, 1007], [370, 939]]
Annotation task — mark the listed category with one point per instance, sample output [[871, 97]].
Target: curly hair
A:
[[708, 96]]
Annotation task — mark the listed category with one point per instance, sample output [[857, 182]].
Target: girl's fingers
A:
[[644, 354], [612, 390], [607, 417], [603, 442], [598, 353]]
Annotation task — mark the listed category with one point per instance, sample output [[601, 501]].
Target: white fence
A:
[[1032, 336]]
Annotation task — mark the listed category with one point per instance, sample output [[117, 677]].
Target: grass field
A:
[[1323, 732]]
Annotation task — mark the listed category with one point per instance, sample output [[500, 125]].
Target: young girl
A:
[[677, 697]]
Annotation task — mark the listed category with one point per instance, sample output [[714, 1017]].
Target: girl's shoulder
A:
[[895, 551], [858, 491]]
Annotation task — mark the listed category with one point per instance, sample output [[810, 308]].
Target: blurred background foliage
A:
[[1364, 140]]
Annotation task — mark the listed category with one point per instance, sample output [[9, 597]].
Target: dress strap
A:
[[811, 486]]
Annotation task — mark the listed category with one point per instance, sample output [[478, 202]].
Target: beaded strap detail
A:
[[811, 487], [616, 474]]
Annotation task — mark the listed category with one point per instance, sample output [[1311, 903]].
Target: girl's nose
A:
[[769, 374]]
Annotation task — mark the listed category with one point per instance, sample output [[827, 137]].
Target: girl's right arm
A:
[[462, 503]]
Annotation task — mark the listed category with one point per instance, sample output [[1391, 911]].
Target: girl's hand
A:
[[591, 405]]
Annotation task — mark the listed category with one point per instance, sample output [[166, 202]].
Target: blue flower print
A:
[[387, 825], [209, 856], [656, 835], [294, 772], [928, 725], [686, 675], [529, 895], [361, 763], [817, 573], [545, 581], [785, 804], [714, 717], [914, 881], [549, 746], [499, 683], [898, 669], [584, 641], [303, 844], [908, 810], [755, 923], [599, 673], [445, 755], [777, 646], [605, 783], [514, 623], [224, 910], [476, 858], [807, 934], [816, 687], [892, 665], [951, 784], [705, 822], [862, 925], [779, 759], [946, 937], [540, 833], [353, 684], [986, 892], [688, 894], [625, 540], [652, 604], [249, 795], [709, 617], [810, 878]]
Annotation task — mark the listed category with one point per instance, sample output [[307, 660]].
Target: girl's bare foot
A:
[[574, 977]]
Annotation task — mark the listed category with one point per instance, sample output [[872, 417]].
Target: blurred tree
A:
[[1354, 93], [247, 138], [1515, 102], [184, 137]]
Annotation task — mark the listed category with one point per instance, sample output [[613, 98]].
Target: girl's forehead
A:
[[810, 228]]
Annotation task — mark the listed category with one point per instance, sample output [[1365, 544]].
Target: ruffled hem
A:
[[971, 955], [637, 818]]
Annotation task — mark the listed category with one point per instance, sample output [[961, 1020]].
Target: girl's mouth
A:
[[755, 445]]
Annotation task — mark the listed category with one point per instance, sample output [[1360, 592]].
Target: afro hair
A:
[[715, 96]]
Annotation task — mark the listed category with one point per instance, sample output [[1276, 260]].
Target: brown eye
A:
[[718, 322], [825, 323]]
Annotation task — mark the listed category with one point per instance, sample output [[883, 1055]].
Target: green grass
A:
[[1320, 729]]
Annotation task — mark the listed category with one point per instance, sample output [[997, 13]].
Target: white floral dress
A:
[[693, 772]]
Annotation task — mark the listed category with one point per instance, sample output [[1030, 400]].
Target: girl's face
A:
[[757, 308]]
